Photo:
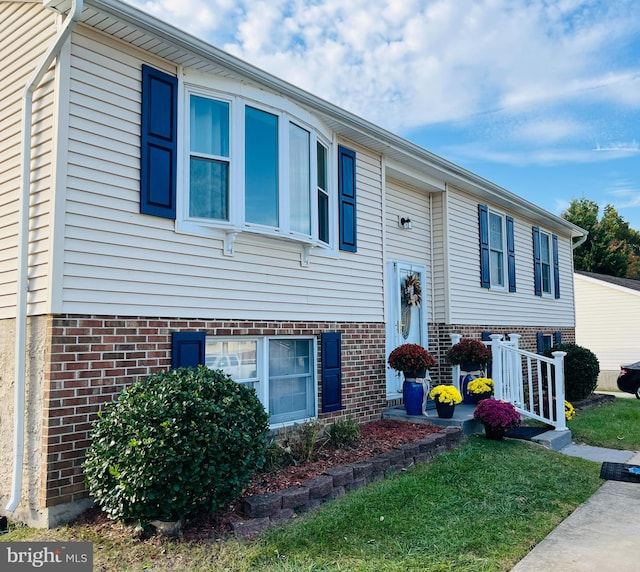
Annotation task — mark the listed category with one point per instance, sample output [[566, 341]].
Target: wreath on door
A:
[[411, 298], [412, 291]]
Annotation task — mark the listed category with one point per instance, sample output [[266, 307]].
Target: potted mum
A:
[[446, 397], [413, 361], [472, 356], [480, 388], [497, 417]]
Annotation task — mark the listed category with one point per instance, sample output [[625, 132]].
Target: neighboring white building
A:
[[608, 321], [174, 205]]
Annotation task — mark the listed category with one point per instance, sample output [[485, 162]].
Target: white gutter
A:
[[580, 241], [23, 249]]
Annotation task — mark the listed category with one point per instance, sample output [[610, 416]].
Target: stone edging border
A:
[[268, 509]]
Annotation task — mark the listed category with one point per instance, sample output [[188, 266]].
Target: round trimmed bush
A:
[[175, 443], [581, 369]]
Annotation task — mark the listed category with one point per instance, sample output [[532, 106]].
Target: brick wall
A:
[[93, 358]]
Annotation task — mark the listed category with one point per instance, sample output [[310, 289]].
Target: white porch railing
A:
[[532, 382]]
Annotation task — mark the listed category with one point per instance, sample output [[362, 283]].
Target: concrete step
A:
[[462, 417], [554, 440]]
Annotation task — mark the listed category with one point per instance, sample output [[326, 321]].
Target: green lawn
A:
[[616, 426], [477, 508]]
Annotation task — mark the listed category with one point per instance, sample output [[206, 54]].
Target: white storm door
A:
[[406, 316]]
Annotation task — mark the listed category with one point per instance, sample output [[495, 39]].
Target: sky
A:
[[541, 97]]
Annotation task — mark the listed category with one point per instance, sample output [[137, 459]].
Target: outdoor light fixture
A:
[[406, 224]]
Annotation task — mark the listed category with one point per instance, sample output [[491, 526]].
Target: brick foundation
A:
[[93, 358], [88, 360]]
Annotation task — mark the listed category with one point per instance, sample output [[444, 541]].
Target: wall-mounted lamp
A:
[[406, 223]]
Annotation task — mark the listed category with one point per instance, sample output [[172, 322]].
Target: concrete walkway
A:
[[601, 535]]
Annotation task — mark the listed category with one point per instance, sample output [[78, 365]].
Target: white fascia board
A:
[[606, 284]]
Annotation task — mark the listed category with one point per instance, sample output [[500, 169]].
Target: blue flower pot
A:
[[412, 394]]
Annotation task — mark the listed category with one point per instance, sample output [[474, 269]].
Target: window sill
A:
[[229, 235]]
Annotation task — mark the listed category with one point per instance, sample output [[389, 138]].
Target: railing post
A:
[[515, 364], [558, 364], [455, 369], [496, 365]]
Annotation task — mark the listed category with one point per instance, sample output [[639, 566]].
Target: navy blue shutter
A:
[[158, 141], [331, 348], [347, 198], [187, 349], [483, 223], [511, 255], [537, 264], [556, 267], [557, 338], [540, 342]]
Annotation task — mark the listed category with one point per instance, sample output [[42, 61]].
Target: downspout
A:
[[23, 250]]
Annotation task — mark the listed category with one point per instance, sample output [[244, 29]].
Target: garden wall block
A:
[[269, 508], [295, 497], [410, 450], [422, 458], [380, 464], [249, 528], [356, 484], [395, 456], [338, 492], [362, 470], [341, 475], [263, 505], [319, 486], [452, 436]]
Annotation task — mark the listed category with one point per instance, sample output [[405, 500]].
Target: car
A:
[[629, 379]]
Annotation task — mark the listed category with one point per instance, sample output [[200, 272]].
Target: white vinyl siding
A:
[[607, 322], [440, 269], [409, 245], [471, 304], [118, 261], [27, 31]]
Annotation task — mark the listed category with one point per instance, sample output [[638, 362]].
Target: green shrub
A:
[[343, 433], [178, 442], [581, 369]]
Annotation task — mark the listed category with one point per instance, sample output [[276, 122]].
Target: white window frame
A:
[[261, 381], [548, 237], [547, 338], [238, 97], [503, 224]]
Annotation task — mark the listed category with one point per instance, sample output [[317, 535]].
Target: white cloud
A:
[[517, 74]]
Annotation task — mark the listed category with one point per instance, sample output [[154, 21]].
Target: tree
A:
[[612, 247]]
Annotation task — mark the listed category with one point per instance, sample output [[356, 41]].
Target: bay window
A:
[[259, 169]]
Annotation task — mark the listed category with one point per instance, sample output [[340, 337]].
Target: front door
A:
[[406, 316]]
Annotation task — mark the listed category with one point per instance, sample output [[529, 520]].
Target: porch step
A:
[[462, 417], [554, 440]]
